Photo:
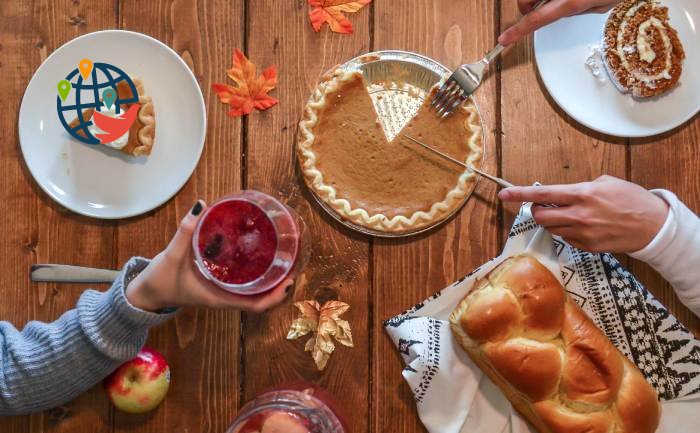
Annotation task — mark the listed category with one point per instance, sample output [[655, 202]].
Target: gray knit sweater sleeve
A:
[[47, 364]]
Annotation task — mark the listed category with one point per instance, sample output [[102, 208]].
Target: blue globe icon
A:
[[86, 94]]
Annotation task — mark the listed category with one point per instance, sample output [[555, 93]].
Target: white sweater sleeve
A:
[[675, 251]]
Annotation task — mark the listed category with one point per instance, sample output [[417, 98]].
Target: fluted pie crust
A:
[[388, 186], [142, 133]]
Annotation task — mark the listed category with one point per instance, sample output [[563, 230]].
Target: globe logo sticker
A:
[[97, 102]]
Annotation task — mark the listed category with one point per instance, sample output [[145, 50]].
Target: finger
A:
[[274, 297], [553, 216], [182, 240], [525, 6], [600, 9], [545, 14], [549, 194], [576, 238], [256, 303]]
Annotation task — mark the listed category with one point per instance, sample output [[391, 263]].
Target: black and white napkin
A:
[[453, 396]]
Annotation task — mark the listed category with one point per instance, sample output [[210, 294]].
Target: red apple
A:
[[139, 385]]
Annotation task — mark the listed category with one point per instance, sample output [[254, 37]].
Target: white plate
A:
[[561, 50], [101, 182]]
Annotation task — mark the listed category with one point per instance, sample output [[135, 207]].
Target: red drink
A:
[[249, 242], [293, 409]]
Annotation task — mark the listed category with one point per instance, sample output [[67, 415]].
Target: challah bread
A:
[[549, 359], [641, 51]]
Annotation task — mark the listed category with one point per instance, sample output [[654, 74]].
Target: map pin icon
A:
[[85, 67], [64, 87], [109, 96]]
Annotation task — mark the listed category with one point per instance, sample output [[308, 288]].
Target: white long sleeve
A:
[[675, 251]]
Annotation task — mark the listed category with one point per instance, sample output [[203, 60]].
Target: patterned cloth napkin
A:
[[453, 396]]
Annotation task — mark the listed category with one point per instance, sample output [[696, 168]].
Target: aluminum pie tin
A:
[[398, 82]]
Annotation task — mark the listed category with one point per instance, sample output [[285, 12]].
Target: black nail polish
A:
[[197, 208]]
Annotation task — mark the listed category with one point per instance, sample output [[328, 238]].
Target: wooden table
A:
[[220, 359]]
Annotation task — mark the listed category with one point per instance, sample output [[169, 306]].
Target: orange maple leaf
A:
[[331, 12], [251, 91]]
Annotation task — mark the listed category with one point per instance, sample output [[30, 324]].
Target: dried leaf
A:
[[325, 324], [331, 12], [307, 322], [344, 335], [251, 91]]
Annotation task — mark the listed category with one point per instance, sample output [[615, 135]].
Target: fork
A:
[[465, 80]]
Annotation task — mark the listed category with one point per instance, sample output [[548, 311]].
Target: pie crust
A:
[[431, 187], [143, 131]]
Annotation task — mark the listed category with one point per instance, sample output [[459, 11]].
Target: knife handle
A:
[[71, 274]]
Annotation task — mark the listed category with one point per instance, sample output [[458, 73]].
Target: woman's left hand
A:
[[173, 280]]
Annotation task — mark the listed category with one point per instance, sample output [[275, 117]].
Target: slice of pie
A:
[[641, 51], [140, 137], [390, 186]]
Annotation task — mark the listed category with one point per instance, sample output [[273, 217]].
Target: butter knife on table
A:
[[71, 274]]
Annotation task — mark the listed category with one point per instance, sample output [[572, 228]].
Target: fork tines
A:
[[448, 97]]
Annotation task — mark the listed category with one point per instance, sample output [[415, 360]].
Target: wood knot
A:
[[325, 294], [77, 21], [58, 414]]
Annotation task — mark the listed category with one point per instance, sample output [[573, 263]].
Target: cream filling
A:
[[644, 45]]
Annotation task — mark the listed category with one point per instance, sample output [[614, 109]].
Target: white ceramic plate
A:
[[561, 50], [101, 182]]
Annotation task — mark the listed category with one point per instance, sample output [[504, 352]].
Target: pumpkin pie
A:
[[141, 134], [392, 186]]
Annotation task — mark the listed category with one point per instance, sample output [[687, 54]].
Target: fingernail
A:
[[197, 208]]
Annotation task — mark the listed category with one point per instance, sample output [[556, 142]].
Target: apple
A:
[[139, 385]]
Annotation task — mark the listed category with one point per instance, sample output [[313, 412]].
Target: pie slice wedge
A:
[[392, 186], [143, 131]]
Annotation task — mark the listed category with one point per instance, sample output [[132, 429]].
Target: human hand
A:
[[548, 13], [608, 214], [173, 280]]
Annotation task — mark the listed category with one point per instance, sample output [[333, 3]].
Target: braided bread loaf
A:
[[549, 359]]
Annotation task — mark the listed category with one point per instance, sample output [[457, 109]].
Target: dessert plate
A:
[[397, 82], [561, 50], [94, 180]]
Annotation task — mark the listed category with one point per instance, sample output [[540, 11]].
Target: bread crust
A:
[[596, 389]]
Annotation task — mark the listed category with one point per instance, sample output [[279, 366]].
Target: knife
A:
[[71, 274], [502, 182]]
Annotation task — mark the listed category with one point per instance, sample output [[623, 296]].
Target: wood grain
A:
[[201, 346], [280, 33], [540, 141], [217, 367], [36, 229], [670, 162], [408, 271]]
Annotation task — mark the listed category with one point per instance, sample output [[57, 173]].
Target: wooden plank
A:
[[201, 346], [670, 162], [35, 229], [540, 141], [407, 271], [280, 33]]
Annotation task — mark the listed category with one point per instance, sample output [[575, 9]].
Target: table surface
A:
[[220, 359]]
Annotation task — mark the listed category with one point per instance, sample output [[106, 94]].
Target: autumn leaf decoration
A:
[[331, 12], [251, 90], [324, 323]]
